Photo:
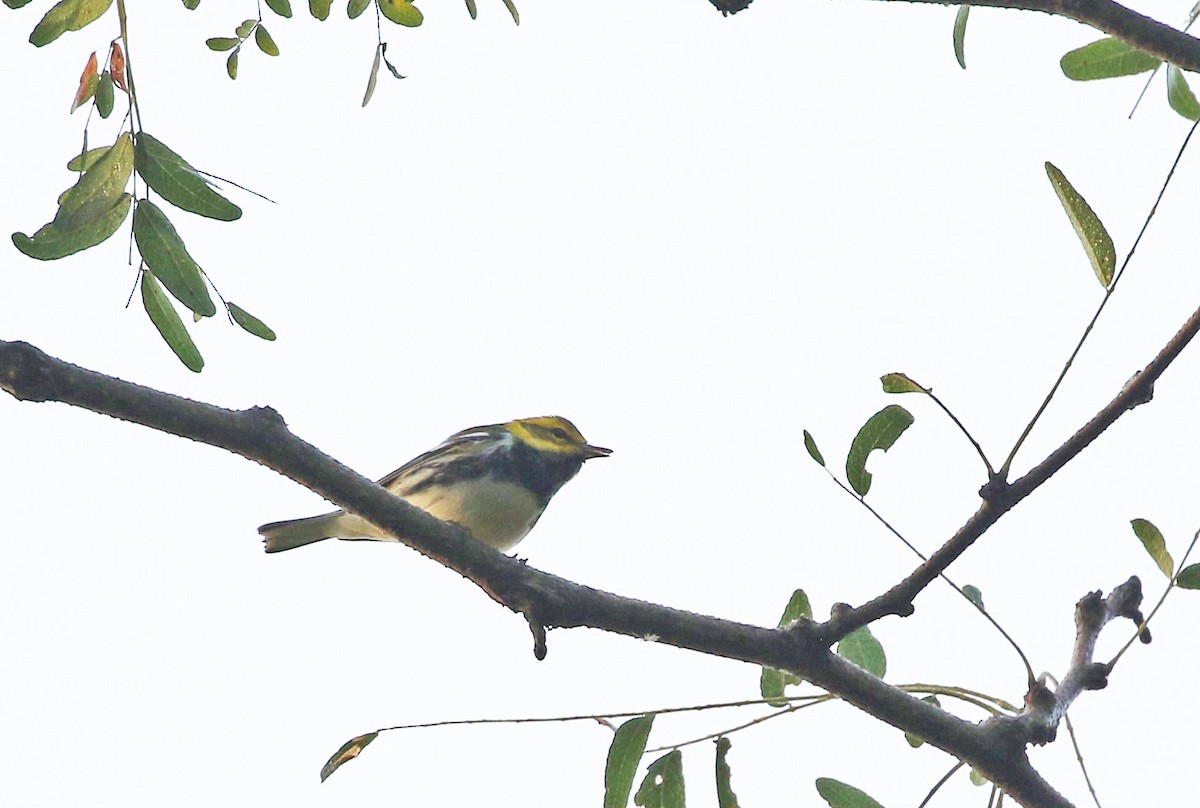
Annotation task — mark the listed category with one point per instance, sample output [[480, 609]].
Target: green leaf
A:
[[512, 9], [471, 8], [349, 751], [1180, 95], [1189, 577], [264, 42], [104, 95], [725, 796], [978, 779], [974, 595], [167, 321], [1095, 239], [319, 8], [67, 15], [861, 648], [82, 162], [840, 795], [960, 33], [772, 681], [913, 740], [401, 12], [1105, 59], [174, 179], [663, 785], [95, 193], [222, 43], [1152, 539], [624, 754], [191, 5], [811, 446], [879, 432], [231, 65], [245, 28], [281, 7], [163, 251], [899, 383], [50, 242], [16, 3], [374, 75], [354, 8], [250, 323]]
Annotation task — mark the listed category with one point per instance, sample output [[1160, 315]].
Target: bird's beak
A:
[[594, 451]]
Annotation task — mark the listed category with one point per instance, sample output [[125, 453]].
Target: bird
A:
[[494, 481]]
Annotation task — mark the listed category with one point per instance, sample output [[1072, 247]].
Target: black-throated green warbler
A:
[[495, 481]]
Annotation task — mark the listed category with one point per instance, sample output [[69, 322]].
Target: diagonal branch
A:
[[995, 749]]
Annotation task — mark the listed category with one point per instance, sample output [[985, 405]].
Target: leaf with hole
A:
[[624, 753], [164, 252], [662, 787], [880, 431], [1152, 539], [1105, 59], [167, 321], [1092, 234], [725, 796], [349, 751], [174, 179], [67, 15]]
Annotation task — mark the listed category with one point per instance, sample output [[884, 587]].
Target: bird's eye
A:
[[559, 433]]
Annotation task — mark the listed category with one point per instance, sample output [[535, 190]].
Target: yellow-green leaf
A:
[[1152, 539], [401, 12], [1180, 95], [1095, 239], [174, 179], [354, 8], [1105, 59], [899, 383], [879, 432], [772, 681], [349, 751], [319, 8], [98, 189], [471, 8], [245, 28], [810, 445], [1189, 577], [67, 15], [222, 43], [164, 252], [250, 323], [662, 786], [82, 162], [167, 321], [624, 753], [512, 9], [281, 7], [231, 65], [264, 42], [50, 243], [960, 34]]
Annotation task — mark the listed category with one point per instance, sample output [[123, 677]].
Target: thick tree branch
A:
[[997, 748]]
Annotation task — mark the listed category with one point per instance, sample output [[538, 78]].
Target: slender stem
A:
[[938, 785], [1107, 295], [979, 449], [1079, 757]]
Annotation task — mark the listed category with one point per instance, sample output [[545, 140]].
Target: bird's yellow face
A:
[[554, 435]]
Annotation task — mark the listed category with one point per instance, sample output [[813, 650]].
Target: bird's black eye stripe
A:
[[559, 433]]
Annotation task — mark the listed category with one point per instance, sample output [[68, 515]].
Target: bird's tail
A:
[[280, 536]]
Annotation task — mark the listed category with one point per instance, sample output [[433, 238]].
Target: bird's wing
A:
[[418, 470]]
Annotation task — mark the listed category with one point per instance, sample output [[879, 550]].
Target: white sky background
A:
[[694, 236]]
